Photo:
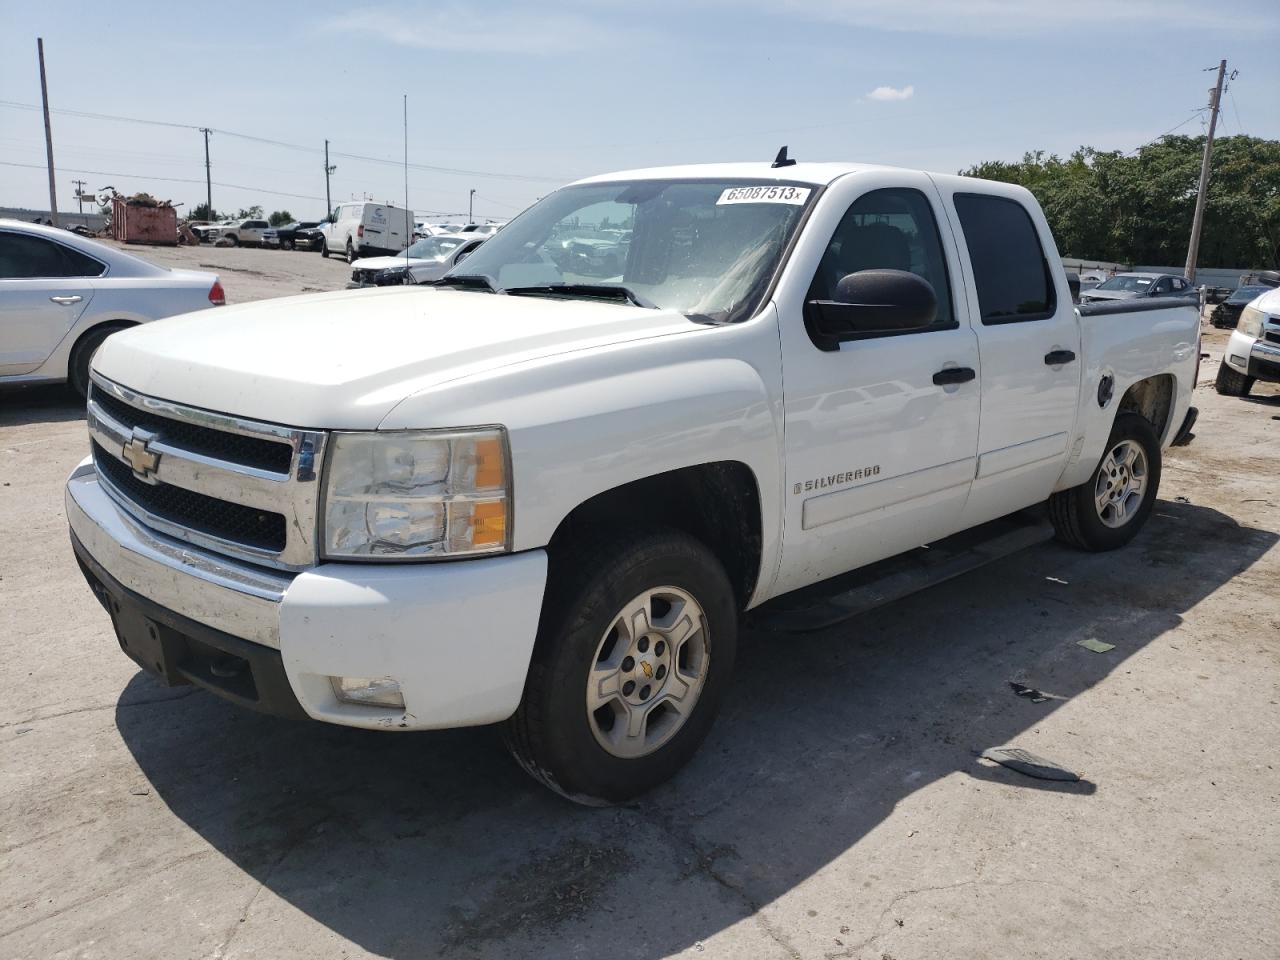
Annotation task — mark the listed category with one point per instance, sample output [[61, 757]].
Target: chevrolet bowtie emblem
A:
[[136, 453], [647, 668]]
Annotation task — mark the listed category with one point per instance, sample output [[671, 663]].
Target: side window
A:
[[1009, 268], [24, 257], [888, 229], [1164, 286]]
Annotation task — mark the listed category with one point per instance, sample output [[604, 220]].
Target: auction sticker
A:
[[780, 193]]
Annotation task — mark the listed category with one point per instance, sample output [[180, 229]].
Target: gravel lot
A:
[[837, 811]]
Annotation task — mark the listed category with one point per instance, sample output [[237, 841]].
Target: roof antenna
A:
[[782, 160]]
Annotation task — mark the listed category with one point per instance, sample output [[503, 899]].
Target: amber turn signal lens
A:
[[489, 523], [490, 464]]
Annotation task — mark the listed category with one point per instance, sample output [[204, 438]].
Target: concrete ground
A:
[[838, 809]]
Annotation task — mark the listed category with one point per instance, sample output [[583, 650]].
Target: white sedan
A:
[[428, 259], [61, 295]]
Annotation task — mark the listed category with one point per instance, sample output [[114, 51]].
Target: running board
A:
[[848, 595]]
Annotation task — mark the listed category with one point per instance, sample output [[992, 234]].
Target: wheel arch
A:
[[1153, 399], [717, 503]]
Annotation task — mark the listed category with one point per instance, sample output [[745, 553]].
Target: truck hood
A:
[[344, 360]]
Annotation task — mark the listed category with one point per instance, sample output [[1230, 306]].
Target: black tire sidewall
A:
[[570, 756], [82, 355], [351, 253], [1128, 426]]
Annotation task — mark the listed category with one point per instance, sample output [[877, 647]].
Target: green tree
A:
[[253, 213], [1137, 208], [279, 218], [203, 211]]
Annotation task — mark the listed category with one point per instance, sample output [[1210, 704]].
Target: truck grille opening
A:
[[220, 444], [195, 511]]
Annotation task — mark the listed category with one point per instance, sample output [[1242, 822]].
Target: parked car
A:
[[1253, 352], [361, 229], [309, 238], [549, 507], [1131, 286], [285, 236], [237, 233], [1227, 313], [428, 259], [62, 295], [209, 232], [488, 229]]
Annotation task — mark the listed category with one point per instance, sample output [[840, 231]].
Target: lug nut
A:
[[643, 645], [628, 664], [628, 688]]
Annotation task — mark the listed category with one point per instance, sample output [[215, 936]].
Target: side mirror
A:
[[332, 218], [1073, 281], [871, 303]]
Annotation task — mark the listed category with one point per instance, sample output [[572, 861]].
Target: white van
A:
[[360, 228]]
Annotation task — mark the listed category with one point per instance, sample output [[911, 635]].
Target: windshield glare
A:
[[1245, 294], [1131, 284], [434, 248], [705, 248]]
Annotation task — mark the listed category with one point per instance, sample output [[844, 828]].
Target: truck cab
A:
[[543, 494]]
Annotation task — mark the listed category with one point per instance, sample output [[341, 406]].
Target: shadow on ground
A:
[[434, 843], [52, 403]]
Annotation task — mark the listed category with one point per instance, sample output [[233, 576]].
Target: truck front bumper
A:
[[456, 636], [1258, 358]]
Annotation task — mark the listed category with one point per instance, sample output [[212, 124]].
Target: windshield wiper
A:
[[612, 291], [468, 281]]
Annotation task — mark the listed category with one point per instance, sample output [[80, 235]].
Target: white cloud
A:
[[455, 27], [892, 93]]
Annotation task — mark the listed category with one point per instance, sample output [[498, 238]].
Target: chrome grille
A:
[[240, 487]]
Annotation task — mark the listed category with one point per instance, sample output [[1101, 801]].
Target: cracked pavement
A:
[[838, 809]]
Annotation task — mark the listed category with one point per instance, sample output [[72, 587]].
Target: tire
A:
[[351, 252], [232, 240], [555, 736], [1078, 517], [324, 249], [1232, 383], [82, 355]]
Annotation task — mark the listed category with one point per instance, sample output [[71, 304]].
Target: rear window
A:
[[1009, 266]]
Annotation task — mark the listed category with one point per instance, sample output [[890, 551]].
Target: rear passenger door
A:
[[1029, 344], [44, 288]]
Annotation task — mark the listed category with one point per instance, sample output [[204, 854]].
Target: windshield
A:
[[1245, 294], [1131, 284], [705, 248], [435, 248]]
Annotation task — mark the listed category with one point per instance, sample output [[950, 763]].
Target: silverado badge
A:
[[139, 456]]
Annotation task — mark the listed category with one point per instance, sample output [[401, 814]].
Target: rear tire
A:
[[1232, 383], [324, 249], [351, 252], [646, 627], [82, 355], [1108, 509]]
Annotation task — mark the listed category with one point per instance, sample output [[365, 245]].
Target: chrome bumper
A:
[[233, 597]]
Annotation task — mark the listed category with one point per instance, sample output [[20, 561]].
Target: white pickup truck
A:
[[527, 496]]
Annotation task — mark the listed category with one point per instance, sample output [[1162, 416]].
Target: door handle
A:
[[66, 300], [1056, 358], [950, 375]]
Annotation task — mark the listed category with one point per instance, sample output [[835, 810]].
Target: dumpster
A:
[[142, 219]]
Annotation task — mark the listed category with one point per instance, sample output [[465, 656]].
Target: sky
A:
[[512, 99]]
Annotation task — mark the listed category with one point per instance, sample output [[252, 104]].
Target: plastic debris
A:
[[1057, 580], [1097, 646], [1181, 499], [1031, 693], [1023, 761]]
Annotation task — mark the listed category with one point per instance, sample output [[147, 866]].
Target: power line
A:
[[430, 168], [1194, 114]]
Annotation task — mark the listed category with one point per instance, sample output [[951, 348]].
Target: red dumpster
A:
[[138, 223]]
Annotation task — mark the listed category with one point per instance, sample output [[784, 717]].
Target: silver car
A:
[[61, 295]]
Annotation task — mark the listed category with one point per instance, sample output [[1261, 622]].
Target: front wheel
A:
[[1107, 510], [324, 249], [1232, 383], [635, 648]]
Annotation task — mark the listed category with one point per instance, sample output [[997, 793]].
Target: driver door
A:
[[879, 446]]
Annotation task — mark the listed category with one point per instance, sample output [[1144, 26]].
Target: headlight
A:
[[392, 276], [416, 494], [1251, 322]]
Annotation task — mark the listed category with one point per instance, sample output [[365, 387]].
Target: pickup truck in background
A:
[[237, 233], [1253, 352], [285, 236], [545, 498]]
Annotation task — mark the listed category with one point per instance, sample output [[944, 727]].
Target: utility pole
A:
[[48, 134], [328, 170], [208, 175], [1193, 249], [471, 203], [79, 195]]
